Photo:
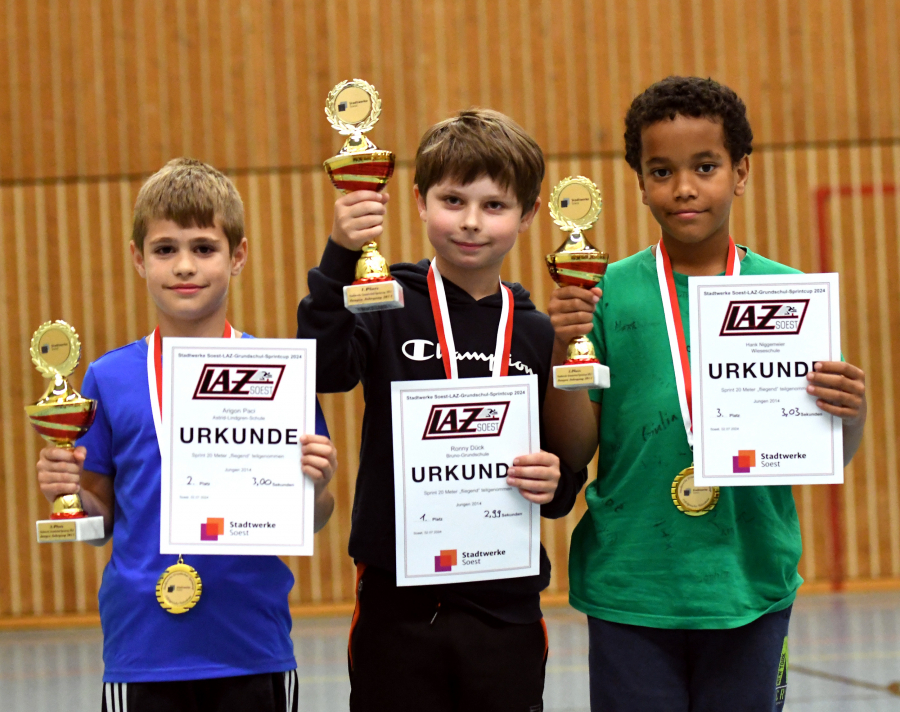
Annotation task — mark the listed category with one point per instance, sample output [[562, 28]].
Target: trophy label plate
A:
[[56, 530], [580, 377], [378, 296]]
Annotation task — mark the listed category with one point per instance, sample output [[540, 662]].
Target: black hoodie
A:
[[402, 345]]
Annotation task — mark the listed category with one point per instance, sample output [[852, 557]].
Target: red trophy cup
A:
[[62, 416], [575, 206], [352, 109]]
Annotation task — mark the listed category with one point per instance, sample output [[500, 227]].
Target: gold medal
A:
[[179, 588], [693, 501]]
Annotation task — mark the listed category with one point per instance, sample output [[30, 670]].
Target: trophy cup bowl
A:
[[60, 417], [583, 268], [352, 108], [366, 170], [578, 268], [575, 205]]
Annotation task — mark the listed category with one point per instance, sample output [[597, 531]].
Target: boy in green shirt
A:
[[685, 612]]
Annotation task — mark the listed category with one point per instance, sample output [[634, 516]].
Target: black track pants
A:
[[409, 652]]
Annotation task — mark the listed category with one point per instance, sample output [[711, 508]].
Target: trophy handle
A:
[[371, 266], [580, 351], [67, 506]]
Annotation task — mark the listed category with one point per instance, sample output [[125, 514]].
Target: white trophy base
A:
[[84, 529], [374, 296], [580, 377]]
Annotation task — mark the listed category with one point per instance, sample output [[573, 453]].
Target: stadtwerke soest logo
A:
[[445, 561], [743, 461], [212, 529]]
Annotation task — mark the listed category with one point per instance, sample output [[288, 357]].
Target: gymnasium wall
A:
[[97, 94]]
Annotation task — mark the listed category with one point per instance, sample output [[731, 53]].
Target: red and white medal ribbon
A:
[[500, 364], [677, 342], [155, 379]]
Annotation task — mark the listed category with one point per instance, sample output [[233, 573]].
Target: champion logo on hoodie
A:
[[424, 350]]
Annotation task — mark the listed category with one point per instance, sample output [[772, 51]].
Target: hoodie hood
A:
[[415, 277]]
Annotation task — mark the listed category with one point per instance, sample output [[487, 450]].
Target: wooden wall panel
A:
[[96, 94], [116, 87]]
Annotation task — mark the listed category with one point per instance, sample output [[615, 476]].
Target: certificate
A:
[[233, 411], [753, 340], [456, 517]]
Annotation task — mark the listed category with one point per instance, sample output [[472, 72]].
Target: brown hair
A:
[[479, 142], [192, 194]]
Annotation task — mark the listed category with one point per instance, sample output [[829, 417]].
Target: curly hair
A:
[[688, 96]]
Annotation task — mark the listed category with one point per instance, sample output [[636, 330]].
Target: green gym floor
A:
[[844, 657]]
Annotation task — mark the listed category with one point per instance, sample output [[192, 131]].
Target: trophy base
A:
[[373, 296], [579, 377], [56, 530]]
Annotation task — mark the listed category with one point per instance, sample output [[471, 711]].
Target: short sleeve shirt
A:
[[242, 623], [635, 558]]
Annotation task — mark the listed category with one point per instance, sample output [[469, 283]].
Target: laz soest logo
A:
[[468, 420], [244, 382], [764, 317]]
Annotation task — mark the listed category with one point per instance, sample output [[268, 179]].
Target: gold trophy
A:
[[353, 108], [575, 205], [62, 416]]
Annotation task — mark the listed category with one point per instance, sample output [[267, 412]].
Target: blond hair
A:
[[192, 194], [479, 142]]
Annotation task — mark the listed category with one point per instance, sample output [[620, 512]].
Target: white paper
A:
[[456, 517], [753, 339], [233, 412]]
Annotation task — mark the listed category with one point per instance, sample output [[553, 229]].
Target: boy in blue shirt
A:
[[232, 651], [684, 612]]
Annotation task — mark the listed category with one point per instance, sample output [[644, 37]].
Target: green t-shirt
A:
[[635, 558]]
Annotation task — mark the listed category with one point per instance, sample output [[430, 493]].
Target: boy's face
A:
[[188, 269], [472, 227], [687, 177]]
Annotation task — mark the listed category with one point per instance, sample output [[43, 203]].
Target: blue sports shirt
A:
[[241, 625]]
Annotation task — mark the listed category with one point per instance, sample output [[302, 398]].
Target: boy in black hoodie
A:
[[465, 646]]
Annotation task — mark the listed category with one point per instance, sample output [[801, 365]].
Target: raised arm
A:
[[344, 338]]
